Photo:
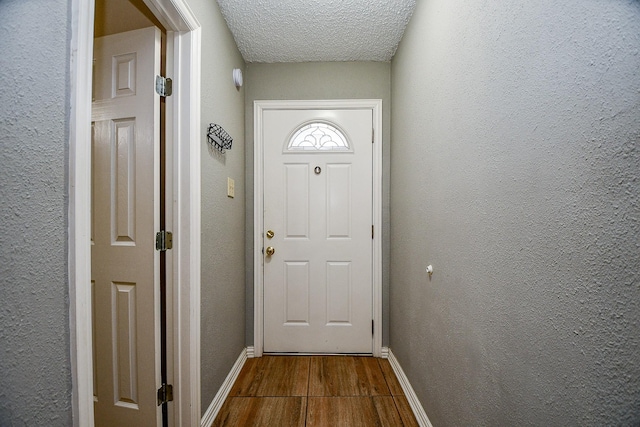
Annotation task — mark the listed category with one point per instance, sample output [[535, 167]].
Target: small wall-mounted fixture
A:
[[218, 138], [237, 77]]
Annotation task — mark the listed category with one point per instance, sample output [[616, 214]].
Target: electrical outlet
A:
[[231, 188]]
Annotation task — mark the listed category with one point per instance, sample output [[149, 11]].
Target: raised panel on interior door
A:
[[123, 182], [296, 199], [339, 290], [123, 75], [296, 287], [125, 343], [338, 201]]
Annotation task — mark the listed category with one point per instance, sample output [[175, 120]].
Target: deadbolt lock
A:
[[270, 234], [270, 250]]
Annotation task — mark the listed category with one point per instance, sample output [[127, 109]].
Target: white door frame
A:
[[258, 202], [183, 182]]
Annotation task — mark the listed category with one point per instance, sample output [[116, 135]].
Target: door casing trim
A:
[[258, 202], [183, 176]]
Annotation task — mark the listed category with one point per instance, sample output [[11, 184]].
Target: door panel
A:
[[125, 191], [318, 202], [339, 292], [296, 283], [338, 209], [297, 215]]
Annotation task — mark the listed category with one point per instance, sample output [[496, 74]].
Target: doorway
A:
[[317, 261], [183, 142]]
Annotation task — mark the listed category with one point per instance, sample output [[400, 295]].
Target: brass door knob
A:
[[270, 250]]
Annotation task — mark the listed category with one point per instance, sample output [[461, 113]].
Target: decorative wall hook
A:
[[218, 138]]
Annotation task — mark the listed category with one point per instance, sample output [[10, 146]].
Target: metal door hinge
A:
[[164, 240], [372, 327], [373, 133], [372, 231], [165, 394], [164, 86]]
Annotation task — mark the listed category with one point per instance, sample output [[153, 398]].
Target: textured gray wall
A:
[[515, 172], [34, 301], [318, 80], [222, 290]]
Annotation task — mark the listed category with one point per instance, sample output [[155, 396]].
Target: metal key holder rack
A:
[[218, 138]]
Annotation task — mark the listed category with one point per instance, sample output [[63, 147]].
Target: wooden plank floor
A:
[[316, 391]]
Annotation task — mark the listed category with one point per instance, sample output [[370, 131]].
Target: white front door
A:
[[318, 216], [125, 210]]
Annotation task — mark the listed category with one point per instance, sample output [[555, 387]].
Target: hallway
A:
[[510, 165], [316, 391]]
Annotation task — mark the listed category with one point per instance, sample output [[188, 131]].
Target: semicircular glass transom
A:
[[318, 136]]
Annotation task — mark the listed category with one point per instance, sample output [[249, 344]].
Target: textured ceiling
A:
[[317, 30]]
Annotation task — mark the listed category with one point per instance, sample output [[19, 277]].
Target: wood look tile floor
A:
[[316, 391]]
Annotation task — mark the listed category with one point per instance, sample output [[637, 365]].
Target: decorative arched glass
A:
[[318, 136]]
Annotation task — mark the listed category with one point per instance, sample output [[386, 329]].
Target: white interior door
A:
[[125, 198], [318, 205]]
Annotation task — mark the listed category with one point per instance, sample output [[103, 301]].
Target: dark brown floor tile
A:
[[406, 414], [346, 376], [342, 411], [390, 377], [273, 376], [346, 391], [387, 411], [262, 412]]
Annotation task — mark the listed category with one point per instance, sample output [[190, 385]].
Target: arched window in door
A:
[[318, 136]]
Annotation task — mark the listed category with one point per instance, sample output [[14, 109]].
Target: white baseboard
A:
[[416, 407], [223, 392]]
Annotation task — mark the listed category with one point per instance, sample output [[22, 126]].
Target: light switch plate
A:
[[231, 188]]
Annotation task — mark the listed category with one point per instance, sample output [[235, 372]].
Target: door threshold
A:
[[275, 353]]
